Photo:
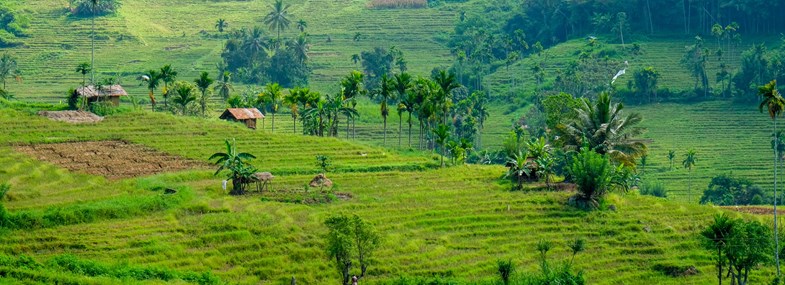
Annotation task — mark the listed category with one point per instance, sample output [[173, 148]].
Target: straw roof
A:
[[106, 91], [242, 114]]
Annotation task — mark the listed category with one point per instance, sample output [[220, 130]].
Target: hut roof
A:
[[242, 113], [106, 91]]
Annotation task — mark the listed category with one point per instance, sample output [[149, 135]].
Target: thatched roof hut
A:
[[109, 93], [245, 115]]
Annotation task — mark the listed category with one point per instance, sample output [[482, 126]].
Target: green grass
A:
[[454, 222]]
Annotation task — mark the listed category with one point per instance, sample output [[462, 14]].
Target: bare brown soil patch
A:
[[71, 116], [755, 210], [112, 159]]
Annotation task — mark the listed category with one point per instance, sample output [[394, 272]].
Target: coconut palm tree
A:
[[385, 92], [671, 157], [689, 163], [84, 69], [224, 85], [409, 102], [274, 93], [606, 129], [221, 24], [168, 76], [518, 168], [185, 95], [442, 133], [301, 25], [352, 87], [447, 83], [203, 83], [236, 163], [153, 78], [717, 235], [278, 18], [773, 102], [301, 47]]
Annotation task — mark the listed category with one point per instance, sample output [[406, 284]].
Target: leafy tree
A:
[[84, 69], [356, 58], [671, 157], [753, 71], [221, 24], [376, 63], [726, 190], [224, 85], [278, 18], [348, 239], [621, 26], [8, 68], [688, 163], [301, 25], [749, 246], [203, 83], [646, 82], [237, 165], [716, 237], [185, 95], [168, 75], [606, 129], [323, 162]]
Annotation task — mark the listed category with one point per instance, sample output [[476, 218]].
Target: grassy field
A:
[[453, 222]]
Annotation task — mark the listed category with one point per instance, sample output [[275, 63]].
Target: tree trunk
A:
[[689, 186], [273, 124], [719, 264], [776, 229], [400, 128], [410, 130], [384, 141], [347, 128]]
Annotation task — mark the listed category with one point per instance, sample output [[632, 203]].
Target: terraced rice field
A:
[[454, 222]]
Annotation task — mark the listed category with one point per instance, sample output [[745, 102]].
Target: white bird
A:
[[621, 72]]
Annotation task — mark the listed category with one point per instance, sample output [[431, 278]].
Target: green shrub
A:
[[728, 190], [505, 269], [654, 188]]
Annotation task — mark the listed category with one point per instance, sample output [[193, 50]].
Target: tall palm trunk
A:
[[689, 185], [384, 141], [273, 124], [400, 128], [92, 49], [776, 229], [410, 130]]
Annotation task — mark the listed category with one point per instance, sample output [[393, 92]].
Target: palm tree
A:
[[447, 83], [185, 95], [717, 235], [274, 93], [352, 87], [278, 18], [203, 83], [482, 116], [689, 163], [356, 58], [221, 24], [385, 90], [168, 76], [301, 47], [403, 86], [605, 128], [153, 78], [293, 100], [409, 102], [442, 133], [84, 69], [401, 109], [301, 25], [774, 103], [671, 157], [519, 167], [236, 163], [224, 85]]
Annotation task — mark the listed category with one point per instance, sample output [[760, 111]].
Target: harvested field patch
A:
[[755, 210], [112, 159], [72, 116]]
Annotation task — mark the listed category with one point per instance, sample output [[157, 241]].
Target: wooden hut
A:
[[110, 93], [245, 115]]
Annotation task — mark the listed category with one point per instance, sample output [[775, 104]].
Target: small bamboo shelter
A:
[[109, 93], [245, 115]]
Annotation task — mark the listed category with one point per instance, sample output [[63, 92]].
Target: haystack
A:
[[71, 116], [321, 181]]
